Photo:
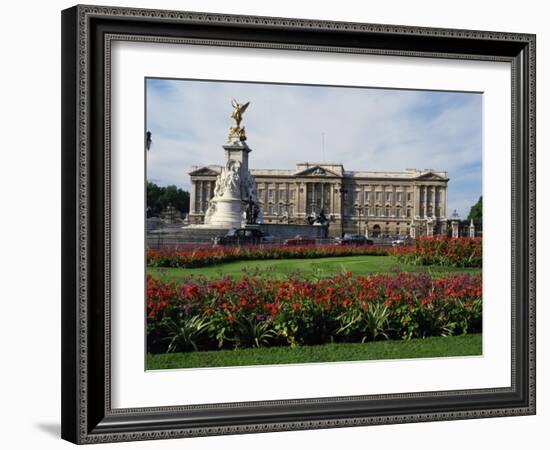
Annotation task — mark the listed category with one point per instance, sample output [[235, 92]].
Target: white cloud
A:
[[365, 129]]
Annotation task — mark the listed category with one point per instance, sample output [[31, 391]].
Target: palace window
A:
[[271, 193], [377, 211], [367, 196], [398, 195], [317, 191], [388, 211], [377, 196], [409, 212], [282, 194], [292, 194], [270, 210], [260, 194], [398, 211], [388, 196], [409, 196], [366, 211]]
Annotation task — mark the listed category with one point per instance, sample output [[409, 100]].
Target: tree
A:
[[476, 212], [158, 198]]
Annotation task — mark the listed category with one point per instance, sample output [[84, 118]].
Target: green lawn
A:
[[320, 267], [468, 345]]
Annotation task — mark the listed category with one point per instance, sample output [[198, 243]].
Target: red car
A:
[[299, 240]]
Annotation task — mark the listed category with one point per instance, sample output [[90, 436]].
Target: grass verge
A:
[[467, 345], [319, 267]]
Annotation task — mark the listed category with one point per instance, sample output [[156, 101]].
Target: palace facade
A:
[[375, 203]]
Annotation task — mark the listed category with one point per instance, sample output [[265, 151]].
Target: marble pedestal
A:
[[228, 213]]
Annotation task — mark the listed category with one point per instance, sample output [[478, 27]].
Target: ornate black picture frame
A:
[[87, 34]]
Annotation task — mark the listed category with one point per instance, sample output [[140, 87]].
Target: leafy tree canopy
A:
[[476, 212], [158, 198]]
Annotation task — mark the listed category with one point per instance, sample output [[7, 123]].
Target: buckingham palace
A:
[[374, 203]]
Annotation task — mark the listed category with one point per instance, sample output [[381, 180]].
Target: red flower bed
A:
[[201, 257], [198, 314], [442, 250]]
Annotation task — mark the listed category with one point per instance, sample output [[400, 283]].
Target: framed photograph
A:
[[279, 224]]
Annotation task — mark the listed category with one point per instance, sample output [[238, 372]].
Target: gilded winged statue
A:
[[236, 132]]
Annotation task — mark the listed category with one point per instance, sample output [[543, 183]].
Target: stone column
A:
[[472, 229], [420, 208], [199, 196], [299, 197], [208, 191], [312, 203], [331, 198], [433, 200], [416, 201], [313, 187], [288, 187], [303, 207], [443, 202], [425, 201], [436, 204], [429, 228], [204, 195], [192, 198], [454, 226], [338, 199], [413, 229]]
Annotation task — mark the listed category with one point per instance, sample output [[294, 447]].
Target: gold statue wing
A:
[[243, 107]]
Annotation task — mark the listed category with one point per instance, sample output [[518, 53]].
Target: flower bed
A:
[[205, 315], [444, 251], [202, 257]]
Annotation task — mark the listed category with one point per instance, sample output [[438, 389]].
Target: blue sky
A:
[[363, 128]]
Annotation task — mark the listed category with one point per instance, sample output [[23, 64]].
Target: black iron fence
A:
[[163, 242]]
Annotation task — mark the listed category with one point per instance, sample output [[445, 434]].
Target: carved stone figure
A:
[[322, 218], [248, 186], [228, 181], [209, 212]]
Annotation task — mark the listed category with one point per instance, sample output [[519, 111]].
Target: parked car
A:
[[269, 239], [300, 240], [398, 242], [354, 239], [242, 236]]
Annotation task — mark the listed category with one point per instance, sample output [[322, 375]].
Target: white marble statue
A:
[[235, 188], [226, 204]]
